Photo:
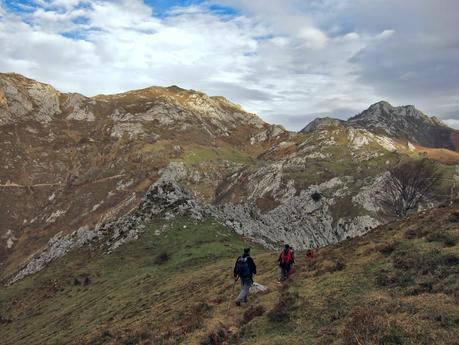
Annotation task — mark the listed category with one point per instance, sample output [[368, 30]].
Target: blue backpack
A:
[[243, 269]]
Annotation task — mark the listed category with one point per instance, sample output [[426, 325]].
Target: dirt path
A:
[[16, 185]]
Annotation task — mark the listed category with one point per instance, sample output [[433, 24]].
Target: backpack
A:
[[286, 259], [243, 269]]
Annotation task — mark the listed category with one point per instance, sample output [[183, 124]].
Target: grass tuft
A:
[[251, 313], [281, 311]]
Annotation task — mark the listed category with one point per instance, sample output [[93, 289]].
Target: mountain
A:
[[404, 122], [70, 162], [320, 123], [75, 170], [398, 284]]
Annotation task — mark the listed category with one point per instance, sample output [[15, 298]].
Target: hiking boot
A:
[[238, 303]]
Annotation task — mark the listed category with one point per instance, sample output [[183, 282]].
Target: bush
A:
[[388, 248], [363, 326], [200, 308], [216, 337], [161, 258], [445, 238], [4, 320], [316, 196], [339, 265], [137, 338], [454, 217], [414, 233]]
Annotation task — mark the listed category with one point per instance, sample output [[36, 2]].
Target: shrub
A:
[[200, 308], [387, 278], [137, 337], [339, 265], [161, 258], [4, 320], [216, 337], [131, 339], [445, 238], [411, 233], [388, 248], [316, 196], [454, 217], [363, 326]]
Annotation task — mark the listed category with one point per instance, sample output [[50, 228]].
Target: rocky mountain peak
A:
[[320, 123], [398, 122], [20, 95], [380, 113], [406, 122]]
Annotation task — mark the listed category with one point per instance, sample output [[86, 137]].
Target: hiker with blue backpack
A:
[[244, 269]]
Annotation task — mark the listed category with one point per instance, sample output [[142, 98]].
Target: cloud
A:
[[286, 60]]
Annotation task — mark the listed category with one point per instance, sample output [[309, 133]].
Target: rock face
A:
[[79, 170], [408, 123]]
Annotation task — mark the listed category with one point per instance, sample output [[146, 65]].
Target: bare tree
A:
[[407, 185]]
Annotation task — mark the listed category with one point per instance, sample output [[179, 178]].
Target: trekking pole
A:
[[232, 293]]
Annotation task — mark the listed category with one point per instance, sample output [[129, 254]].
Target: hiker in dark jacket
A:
[[244, 268], [286, 260]]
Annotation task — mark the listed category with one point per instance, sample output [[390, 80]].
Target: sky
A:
[[289, 61]]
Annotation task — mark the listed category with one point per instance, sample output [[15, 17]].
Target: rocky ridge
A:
[[164, 199]]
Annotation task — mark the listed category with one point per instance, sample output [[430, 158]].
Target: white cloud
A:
[[454, 123], [286, 60]]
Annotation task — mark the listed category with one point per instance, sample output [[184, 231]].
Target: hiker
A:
[[310, 258], [286, 260], [244, 269]]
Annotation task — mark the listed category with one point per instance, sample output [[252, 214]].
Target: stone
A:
[[258, 288]]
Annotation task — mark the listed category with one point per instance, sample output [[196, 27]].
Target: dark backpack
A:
[[243, 269]]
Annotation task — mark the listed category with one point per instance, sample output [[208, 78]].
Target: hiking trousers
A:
[[284, 270], [246, 283]]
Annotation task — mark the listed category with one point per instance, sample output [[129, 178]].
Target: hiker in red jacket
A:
[[286, 260]]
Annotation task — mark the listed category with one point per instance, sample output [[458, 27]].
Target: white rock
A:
[[53, 217], [256, 288]]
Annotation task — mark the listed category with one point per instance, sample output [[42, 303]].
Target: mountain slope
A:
[[70, 162], [319, 187], [73, 165], [395, 285]]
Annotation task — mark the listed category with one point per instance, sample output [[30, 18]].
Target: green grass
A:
[[123, 284], [395, 285]]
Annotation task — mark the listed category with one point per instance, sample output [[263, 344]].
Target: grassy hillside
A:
[[397, 285]]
